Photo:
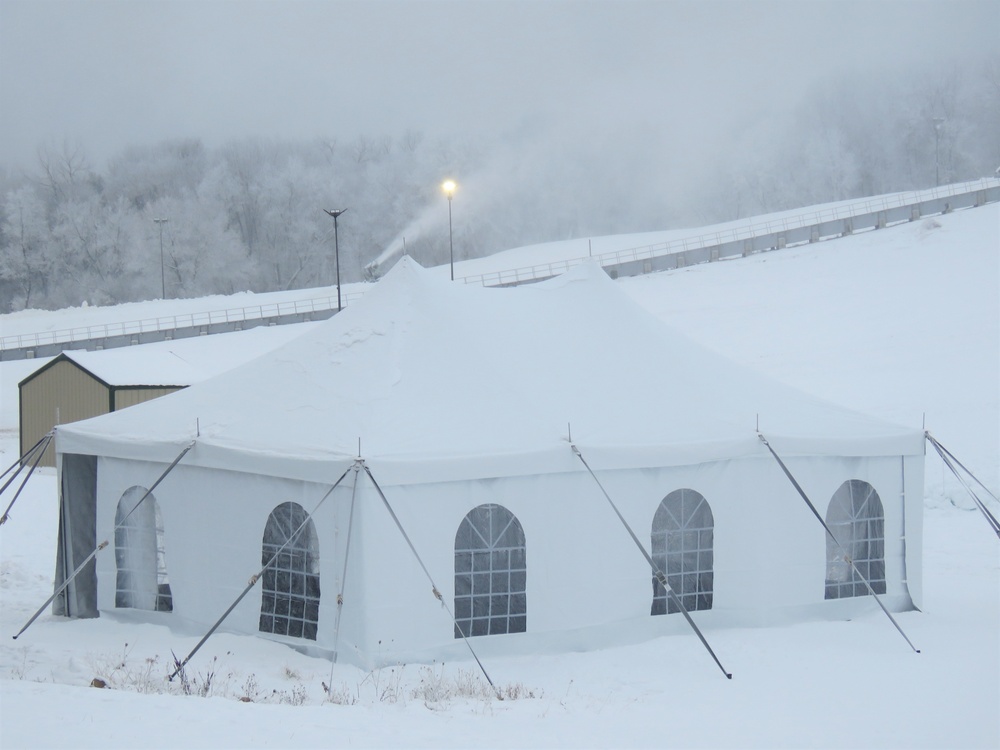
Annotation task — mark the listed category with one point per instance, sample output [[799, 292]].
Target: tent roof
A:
[[432, 380]]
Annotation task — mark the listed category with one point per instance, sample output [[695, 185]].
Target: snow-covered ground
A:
[[900, 323]]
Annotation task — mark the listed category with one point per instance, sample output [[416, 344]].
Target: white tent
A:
[[462, 402]]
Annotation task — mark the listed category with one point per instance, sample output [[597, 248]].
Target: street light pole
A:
[[163, 278], [449, 190], [335, 212]]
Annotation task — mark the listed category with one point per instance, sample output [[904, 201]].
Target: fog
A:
[[668, 78], [239, 121]]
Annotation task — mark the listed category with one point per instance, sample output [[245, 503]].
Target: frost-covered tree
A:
[[249, 214], [26, 260]]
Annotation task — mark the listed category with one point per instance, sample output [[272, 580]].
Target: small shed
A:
[[78, 385], [81, 384]]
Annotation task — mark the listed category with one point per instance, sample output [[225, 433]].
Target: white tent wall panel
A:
[[587, 584], [213, 531], [769, 549]]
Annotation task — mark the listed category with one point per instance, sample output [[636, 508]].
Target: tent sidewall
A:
[[587, 584]]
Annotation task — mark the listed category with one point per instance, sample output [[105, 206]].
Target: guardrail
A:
[[707, 246], [803, 220], [206, 319]]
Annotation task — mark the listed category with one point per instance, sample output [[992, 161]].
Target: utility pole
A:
[[163, 278]]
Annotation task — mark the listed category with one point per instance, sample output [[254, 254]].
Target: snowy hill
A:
[[903, 324]]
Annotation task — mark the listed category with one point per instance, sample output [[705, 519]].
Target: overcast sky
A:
[[108, 74]]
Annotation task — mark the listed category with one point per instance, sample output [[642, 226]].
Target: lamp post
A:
[[449, 190], [335, 212], [163, 278], [938, 124]]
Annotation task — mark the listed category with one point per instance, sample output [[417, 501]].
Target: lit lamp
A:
[[449, 190]]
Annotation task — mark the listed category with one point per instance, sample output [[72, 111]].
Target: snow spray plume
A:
[[428, 219]]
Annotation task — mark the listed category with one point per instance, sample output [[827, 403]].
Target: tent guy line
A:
[[36, 451], [434, 588], [847, 557], [659, 574], [950, 461], [20, 462], [65, 584], [343, 575]]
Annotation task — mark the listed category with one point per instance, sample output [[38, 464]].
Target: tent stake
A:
[[434, 588], [660, 577], [38, 457], [864, 579], [950, 461], [253, 581], [65, 584]]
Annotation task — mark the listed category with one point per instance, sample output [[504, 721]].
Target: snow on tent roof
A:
[[434, 380]]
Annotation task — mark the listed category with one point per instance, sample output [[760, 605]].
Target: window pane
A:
[[141, 581], [480, 606], [518, 581], [291, 587], [489, 542], [480, 583], [855, 518], [681, 541], [518, 604]]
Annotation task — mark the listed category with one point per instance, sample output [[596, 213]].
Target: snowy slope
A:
[[896, 323]]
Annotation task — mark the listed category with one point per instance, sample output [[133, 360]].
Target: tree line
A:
[[247, 214]]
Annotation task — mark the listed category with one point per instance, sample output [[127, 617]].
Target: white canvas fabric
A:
[[432, 381]]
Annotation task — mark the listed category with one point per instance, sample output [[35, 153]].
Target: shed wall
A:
[[131, 396], [62, 393]]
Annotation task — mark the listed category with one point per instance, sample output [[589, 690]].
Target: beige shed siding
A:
[[132, 396], [62, 389]]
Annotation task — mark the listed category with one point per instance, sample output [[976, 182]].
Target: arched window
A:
[[682, 539], [856, 519], [142, 571], [490, 573], [289, 602]]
